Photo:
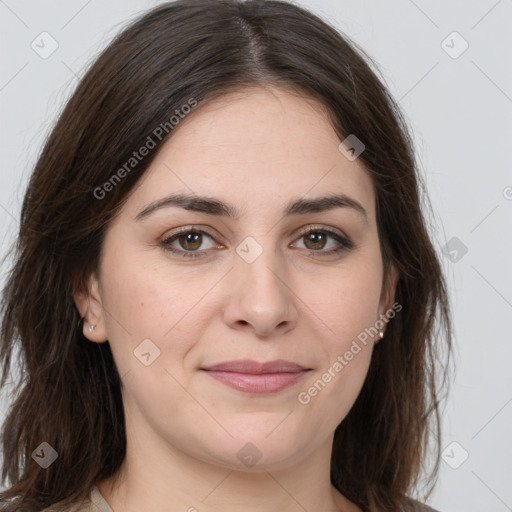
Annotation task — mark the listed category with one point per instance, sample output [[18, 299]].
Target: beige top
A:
[[98, 503]]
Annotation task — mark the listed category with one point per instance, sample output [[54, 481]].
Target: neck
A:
[[160, 474], [159, 479]]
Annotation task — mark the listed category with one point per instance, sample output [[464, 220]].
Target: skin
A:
[[256, 150]]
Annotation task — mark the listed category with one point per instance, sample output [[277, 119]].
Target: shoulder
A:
[[86, 506], [95, 503]]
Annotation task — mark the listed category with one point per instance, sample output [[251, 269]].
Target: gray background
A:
[[459, 108]]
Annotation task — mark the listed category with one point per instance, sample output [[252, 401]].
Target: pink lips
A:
[[253, 377]]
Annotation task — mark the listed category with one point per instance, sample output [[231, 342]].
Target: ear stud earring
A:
[[91, 328], [381, 334]]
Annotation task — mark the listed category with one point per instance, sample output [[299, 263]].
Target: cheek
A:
[[347, 301], [349, 311], [348, 307], [144, 302]]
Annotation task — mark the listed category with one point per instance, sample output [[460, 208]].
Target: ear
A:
[[387, 298], [89, 303]]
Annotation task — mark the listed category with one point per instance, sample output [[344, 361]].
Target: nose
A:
[[260, 297]]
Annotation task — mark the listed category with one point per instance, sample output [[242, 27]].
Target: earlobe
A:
[[88, 301]]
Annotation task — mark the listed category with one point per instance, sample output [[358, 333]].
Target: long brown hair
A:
[[68, 393]]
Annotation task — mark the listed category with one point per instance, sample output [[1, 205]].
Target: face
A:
[[181, 291]]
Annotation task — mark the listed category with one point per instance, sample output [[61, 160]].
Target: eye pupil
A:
[[318, 239], [190, 237]]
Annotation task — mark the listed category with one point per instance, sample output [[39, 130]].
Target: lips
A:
[[249, 366], [254, 377]]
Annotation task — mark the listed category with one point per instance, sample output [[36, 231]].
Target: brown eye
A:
[[324, 242], [190, 241], [315, 240]]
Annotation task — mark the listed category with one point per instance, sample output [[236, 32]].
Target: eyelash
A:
[[345, 243]]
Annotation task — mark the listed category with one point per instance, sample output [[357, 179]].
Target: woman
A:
[[224, 290]]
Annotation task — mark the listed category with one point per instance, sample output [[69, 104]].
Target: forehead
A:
[[255, 148]]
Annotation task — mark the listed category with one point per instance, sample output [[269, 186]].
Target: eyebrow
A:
[[213, 206]]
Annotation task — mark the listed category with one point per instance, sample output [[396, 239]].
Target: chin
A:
[[258, 451]]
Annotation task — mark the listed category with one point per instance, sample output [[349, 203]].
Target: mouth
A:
[[253, 377]]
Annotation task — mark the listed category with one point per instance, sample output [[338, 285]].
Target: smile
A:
[[253, 377]]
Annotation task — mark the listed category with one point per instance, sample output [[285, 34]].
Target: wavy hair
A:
[[68, 391]]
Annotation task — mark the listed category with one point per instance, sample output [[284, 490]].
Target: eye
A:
[[189, 241], [316, 239]]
